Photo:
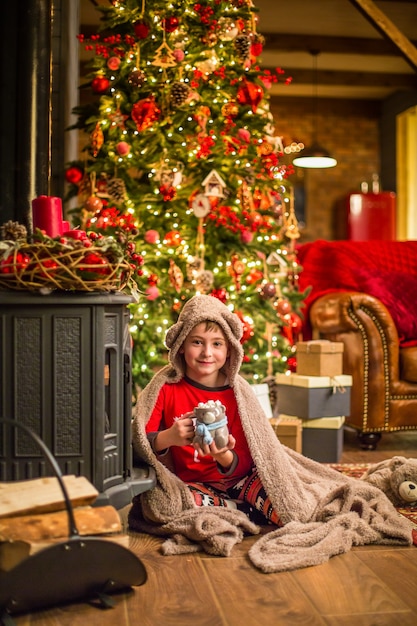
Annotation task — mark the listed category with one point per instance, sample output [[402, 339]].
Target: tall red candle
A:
[[47, 215]]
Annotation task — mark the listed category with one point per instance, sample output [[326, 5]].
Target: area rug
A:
[[356, 470]]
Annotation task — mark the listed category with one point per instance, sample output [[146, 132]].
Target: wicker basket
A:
[[38, 266]]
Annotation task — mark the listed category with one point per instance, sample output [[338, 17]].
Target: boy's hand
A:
[[181, 433], [182, 430], [222, 455]]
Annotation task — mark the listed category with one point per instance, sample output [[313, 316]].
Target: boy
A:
[[322, 511], [222, 477]]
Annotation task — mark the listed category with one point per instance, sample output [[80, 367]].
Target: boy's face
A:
[[205, 352]]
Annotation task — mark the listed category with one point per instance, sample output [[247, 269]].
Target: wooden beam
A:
[[302, 76], [334, 45], [385, 26]]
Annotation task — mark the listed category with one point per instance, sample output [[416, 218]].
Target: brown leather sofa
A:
[[380, 359]]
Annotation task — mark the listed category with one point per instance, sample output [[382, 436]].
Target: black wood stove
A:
[[65, 373]]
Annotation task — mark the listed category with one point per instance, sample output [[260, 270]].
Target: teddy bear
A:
[[211, 423], [397, 478]]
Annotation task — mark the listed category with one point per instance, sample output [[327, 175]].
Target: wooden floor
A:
[[369, 586]]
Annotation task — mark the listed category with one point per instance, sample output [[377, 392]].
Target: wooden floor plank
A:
[[398, 570], [176, 593], [251, 598], [346, 585], [372, 619]]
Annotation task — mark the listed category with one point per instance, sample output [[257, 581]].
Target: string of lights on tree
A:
[[180, 139]]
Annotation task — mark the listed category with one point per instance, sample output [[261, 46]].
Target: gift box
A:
[[320, 358], [262, 393], [288, 430], [310, 397], [322, 439]]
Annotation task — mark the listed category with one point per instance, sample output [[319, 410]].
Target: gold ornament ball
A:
[[230, 109], [93, 204]]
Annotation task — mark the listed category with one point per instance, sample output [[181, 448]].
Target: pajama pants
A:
[[247, 495]]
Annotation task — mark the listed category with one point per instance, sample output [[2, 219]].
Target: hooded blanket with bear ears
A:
[[324, 512]]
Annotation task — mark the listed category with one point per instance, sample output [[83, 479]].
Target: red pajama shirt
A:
[[178, 398]]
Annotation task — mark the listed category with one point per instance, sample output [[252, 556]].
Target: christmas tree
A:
[[180, 139]]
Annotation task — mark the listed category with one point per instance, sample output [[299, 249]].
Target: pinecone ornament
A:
[[179, 93], [116, 189], [242, 46], [204, 281], [13, 231]]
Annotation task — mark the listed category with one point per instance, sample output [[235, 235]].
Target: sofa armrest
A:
[[371, 351]]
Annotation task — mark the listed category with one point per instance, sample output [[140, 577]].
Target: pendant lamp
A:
[[315, 156]]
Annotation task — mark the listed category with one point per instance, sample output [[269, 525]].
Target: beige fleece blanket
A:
[[325, 513]]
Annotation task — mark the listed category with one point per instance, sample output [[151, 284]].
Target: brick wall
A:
[[349, 130]]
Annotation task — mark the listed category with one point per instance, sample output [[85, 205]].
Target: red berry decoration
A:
[[74, 175], [100, 84]]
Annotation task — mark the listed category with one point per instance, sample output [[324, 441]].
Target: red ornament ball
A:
[[282, 306], [94, 264], [220, 294], [151, 236], [47, 267], [153, 280], [179, 54], [250, 93], [152, 292], [141, 29], [292, 364], [296, 323], [248, 331], [171, 24], [246, 236], [172, 238], [123, 148], [113, 63], [93, 204], [12, 265], [136, 78], [100, 84], [267, 291], [74, 175], [254, 276]]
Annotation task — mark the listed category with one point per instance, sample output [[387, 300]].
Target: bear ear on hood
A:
[[172, 334]]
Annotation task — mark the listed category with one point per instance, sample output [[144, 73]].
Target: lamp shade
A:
[[315, 157]]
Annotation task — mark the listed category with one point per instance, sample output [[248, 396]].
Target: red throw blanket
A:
[[386, 270]]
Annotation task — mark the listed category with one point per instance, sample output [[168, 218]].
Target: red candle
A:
[[47, 215]]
